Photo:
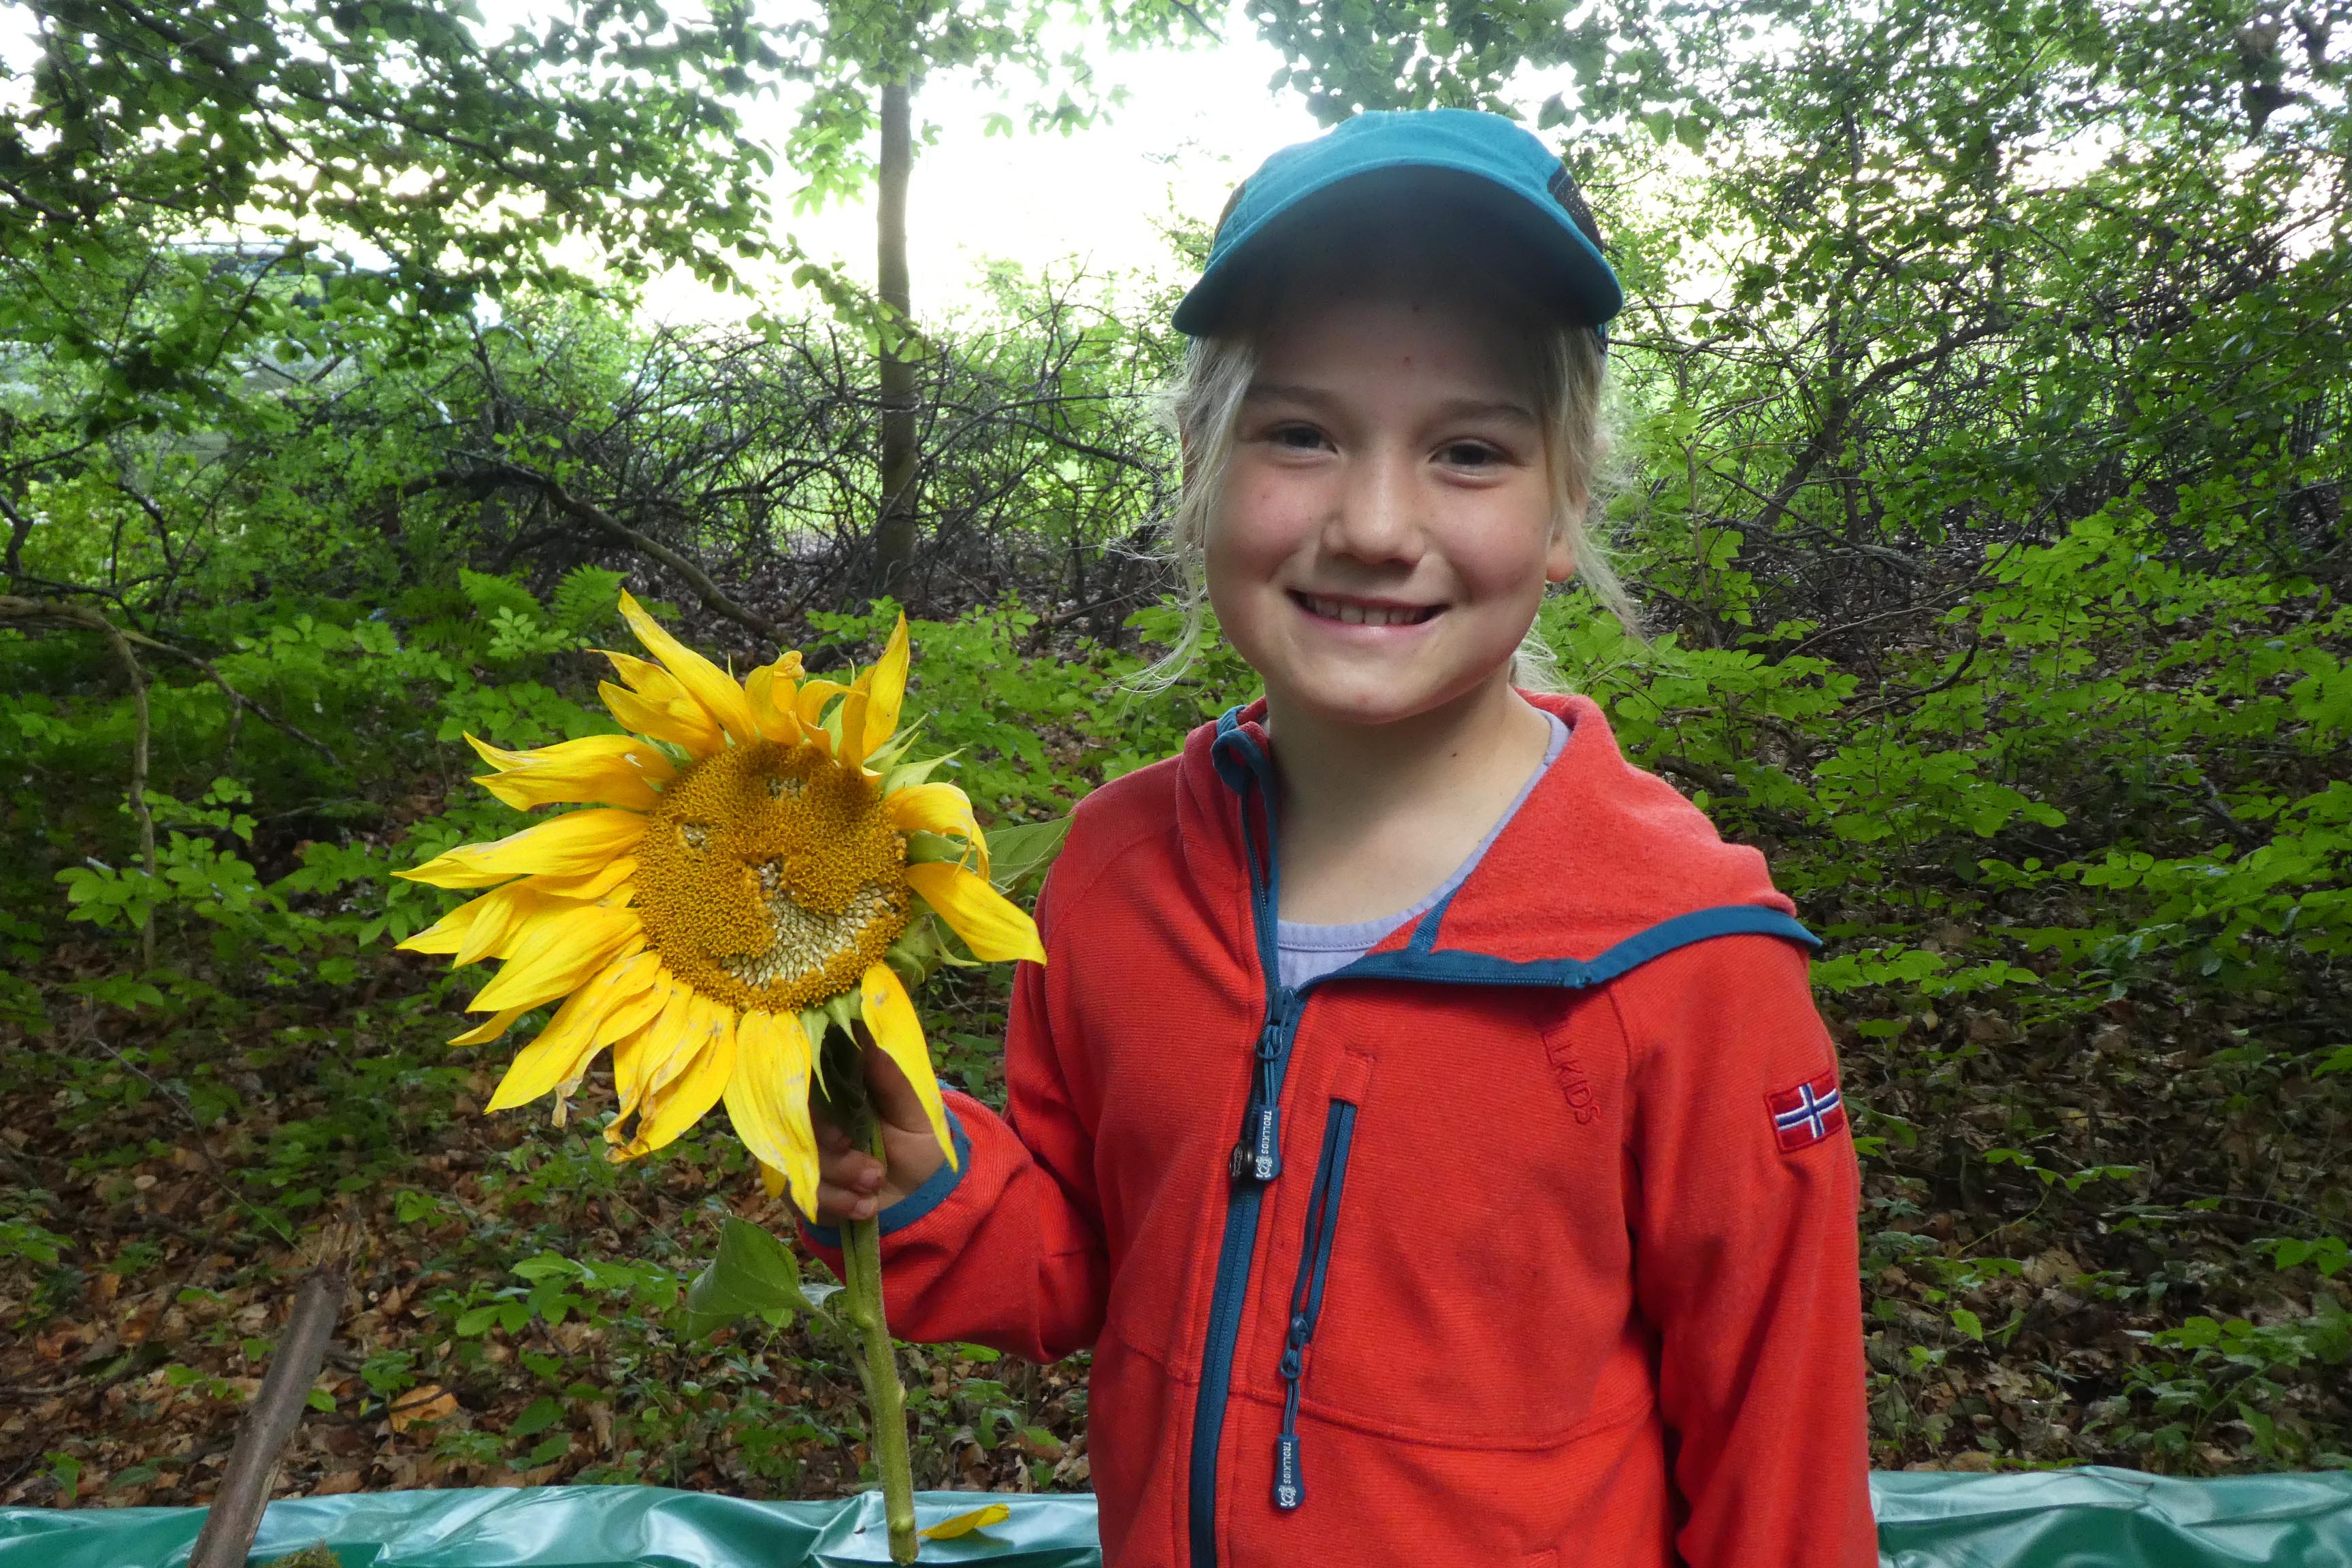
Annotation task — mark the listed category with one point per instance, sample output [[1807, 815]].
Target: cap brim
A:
[[1556, 254]]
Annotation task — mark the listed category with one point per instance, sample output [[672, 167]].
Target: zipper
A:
[[1306, 1293], [1257, 1156], [1256, 1161]]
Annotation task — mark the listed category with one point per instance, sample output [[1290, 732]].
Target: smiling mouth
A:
[[1355, 612]]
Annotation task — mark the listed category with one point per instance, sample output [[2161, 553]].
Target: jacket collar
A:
[[1598, 856]]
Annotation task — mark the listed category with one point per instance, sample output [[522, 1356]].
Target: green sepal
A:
[[1023, 851]]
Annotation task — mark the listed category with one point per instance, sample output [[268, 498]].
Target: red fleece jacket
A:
[[1555, 1261]]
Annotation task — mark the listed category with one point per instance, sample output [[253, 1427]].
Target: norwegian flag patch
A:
[[1803, 1116]]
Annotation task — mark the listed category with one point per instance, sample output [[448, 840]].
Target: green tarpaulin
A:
[[2068, 1519]]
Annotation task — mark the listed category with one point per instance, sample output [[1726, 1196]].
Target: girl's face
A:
[[1385, 531]]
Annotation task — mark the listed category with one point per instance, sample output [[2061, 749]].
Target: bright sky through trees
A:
[[1195, 123]]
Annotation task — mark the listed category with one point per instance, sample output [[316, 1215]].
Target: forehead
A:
[[1390, 277], [1441, 333]]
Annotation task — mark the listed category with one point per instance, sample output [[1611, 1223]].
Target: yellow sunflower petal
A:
[[681, 723], [712, 687], [890, 1018], [937, 808], [693, 1030], [447, 934], [585, 885], [772, 1182], [576, 841], [990, 924], [697, 1089], [564, 1049], [600, 770], [852, 725], [482, 1034], [558, 955], [813, 696], [771, 693], [633, 1013], [507, 916], [885, 690], [766, 1100], [635, 1057], [965, 1523]]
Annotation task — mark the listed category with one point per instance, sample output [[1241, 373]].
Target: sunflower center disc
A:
[[771, 877]]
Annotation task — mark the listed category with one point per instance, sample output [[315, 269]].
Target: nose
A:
[[1375, 517]]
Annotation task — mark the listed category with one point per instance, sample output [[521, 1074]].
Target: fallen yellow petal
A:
[[965, 1523]]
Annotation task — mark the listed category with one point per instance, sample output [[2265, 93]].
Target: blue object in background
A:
[[2053, 1518]]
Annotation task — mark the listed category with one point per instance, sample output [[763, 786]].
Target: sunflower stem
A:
[[861, 1269]]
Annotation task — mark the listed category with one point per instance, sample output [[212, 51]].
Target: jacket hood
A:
[[1598, 852]]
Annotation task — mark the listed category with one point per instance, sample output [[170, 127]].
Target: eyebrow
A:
[[1452, 408]]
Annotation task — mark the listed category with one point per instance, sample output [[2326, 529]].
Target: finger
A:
[[895, 1100], [852, 1170], [835, 1204], [829, 1139]]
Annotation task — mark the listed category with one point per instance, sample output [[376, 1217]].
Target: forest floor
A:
[[2052, 1209]]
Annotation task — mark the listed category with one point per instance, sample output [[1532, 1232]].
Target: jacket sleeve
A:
[[1006, 1251], [1746, 1257]]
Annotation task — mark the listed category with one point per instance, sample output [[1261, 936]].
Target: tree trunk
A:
[[893, 526]]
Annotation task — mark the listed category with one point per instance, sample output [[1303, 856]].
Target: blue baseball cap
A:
[[1506, 171]]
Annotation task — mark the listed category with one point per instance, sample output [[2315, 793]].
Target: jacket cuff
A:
[[915, 1205]]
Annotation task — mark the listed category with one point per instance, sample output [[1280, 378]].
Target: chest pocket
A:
[[1464, 1269]]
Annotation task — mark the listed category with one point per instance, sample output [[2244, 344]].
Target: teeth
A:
[[1359, 615]]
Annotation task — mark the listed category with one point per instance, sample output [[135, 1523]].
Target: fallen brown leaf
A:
[[430, 1402]]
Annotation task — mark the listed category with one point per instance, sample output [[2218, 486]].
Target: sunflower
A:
[[758, 862]]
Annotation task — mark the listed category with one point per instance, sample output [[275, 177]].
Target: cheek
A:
[[1503, 558], [1260, 524]]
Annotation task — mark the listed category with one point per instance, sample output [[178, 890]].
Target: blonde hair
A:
[[1205, 404]]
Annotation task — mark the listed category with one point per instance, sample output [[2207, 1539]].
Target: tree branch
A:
[[234, 1517], [588, 512]]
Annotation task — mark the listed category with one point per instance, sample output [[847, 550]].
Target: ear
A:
[[1559, 556]]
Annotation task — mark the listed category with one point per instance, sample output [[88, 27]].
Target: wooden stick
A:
[[234, 1517]]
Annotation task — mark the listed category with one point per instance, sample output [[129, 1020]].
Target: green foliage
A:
[[1982, 420]]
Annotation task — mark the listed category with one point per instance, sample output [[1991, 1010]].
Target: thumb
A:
[[895, 1100]]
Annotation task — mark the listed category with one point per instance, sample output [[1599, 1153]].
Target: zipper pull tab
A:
[[1290, 1487], [1260, 1153]]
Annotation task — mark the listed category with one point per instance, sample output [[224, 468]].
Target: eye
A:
[[1297, 438], [1469, 455]]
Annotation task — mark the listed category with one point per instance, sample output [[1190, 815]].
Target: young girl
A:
[[1423, 1115]]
